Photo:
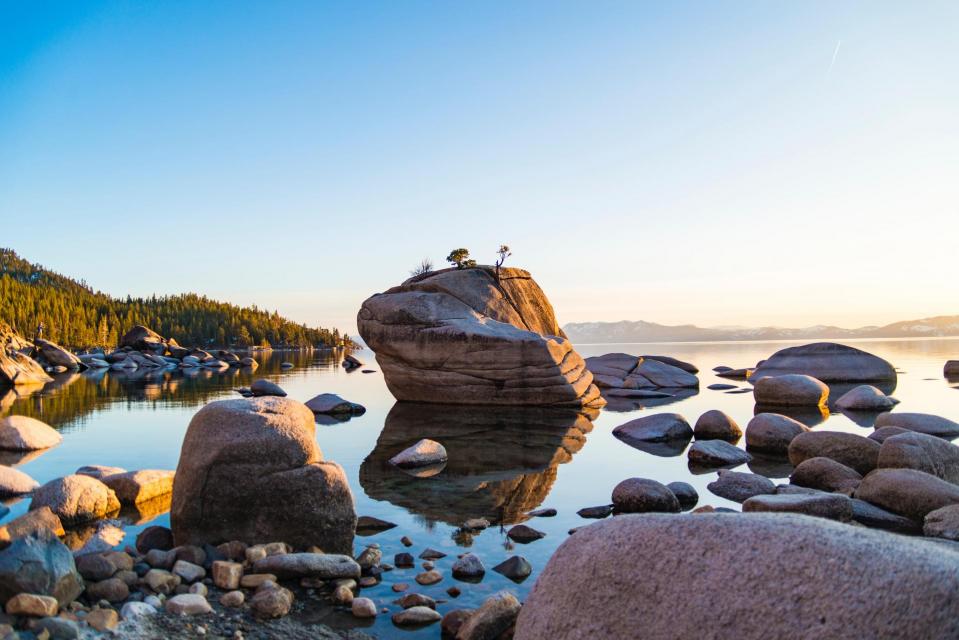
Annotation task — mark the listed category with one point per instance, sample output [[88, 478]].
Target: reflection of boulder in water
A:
[[502, 460], [809, 416], [143, 512], [861, 417], [619, 404]]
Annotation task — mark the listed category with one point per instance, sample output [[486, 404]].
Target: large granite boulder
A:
[[828, 362], [23, 433], [76, 499], [751, 576], [57, 356], [17, 369], [250, 470], [143, 339], [460, 336]]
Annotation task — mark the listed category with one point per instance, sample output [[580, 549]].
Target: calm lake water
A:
[[503, 462]]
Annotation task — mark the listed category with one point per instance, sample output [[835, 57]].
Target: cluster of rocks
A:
[[624, 375]]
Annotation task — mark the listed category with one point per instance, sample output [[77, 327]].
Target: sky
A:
[[734, 163]]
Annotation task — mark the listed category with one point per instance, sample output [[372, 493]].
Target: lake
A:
[[503, 462]]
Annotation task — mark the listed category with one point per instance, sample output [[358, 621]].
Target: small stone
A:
[[200, 589], [429, 577], [400, 587], [427, 565], [28, 604], [716, 453], [524, 534], [232, 599], [188, 604], [227, 575], [516, 568], [542, 513], [824, 505], [685, 493], [254, 580], [475, 524], [272, 602], [161, 581], [369, 581], [370, 557], [343, 595], [189, 571], [103, 619], [424, 453], [407, 541], [716, 425], [112, 590], [403, 560], [191, 553], [641, 495], [597, 513], [57, 628], [368, 525], [416, 600], [432, 554], [263, 387], [363, 608], [135, 610], [233, 550], [738, 486], [161, 559], [416, 616], [454, 592]]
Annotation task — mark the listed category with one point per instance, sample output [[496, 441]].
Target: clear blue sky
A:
[[717, 163]]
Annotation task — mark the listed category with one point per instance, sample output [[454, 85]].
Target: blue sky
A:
[[712, 163]]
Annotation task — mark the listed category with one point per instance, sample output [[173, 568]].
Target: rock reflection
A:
[[809, 416], [623, 404], [502, 460]]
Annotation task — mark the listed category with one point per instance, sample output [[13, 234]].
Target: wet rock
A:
[[903, 574], [883, 433], [424, 453], [907, 492], [920, 422], [28, 604], [21, 433], [856, 452], [154, 537], [468, 567], [516, 568], [791, 390], [363, 608], [494, 617], [425, 332], [134, 487], [524, 534], [368, 525], [721, 386], [30, 522], [542, 513], [828, 362], [716, 453], [97, 566], [685, 493], [415, 616], [716, 425], [735, 374], [772, 432], [76, 499], [274, 602], [599, 512], [14, 482], [865, 397], [313, 565], [922, 452], [941, 523], [738, 487], [263, 387], [330, 403], [826, 474], [824, 505], [283, 490], [641, 495], [416, 600], [661, 427], [188, 604]]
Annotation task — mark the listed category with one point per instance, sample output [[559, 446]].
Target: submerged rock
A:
[[621, 371], [133, 487], [464, 336], [828, 362], [424, 453], [716, 453], [250, 469], [661, 427], [865, 397], [911, 583], [330, 403]]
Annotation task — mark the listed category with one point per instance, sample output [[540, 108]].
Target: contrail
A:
[[834, 54]]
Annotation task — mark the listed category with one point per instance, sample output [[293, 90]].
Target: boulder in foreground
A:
[[462, 336], [911, 582], [250, 470], [39, 563]]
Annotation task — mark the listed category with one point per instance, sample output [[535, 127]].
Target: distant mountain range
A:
[[640, 331]]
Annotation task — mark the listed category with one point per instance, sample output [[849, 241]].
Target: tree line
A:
[[77, 317]]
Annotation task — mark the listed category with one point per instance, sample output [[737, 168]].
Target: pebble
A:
[[516, 568], [429, 577], [468, 566], [232, 599], [432, 554], [524, 534], [416, 616], [363, 608]]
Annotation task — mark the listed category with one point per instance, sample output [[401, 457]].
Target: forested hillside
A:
[[76, 316]]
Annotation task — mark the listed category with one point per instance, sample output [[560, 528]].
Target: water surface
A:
[[503, 463]]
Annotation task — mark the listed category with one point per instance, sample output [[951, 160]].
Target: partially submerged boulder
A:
[[424, 453], [772, 432], [791, 389], [133, 487], [462, 336], [866, 397], [23, 433], [330, 403], [17, 369], [911, 582], [828, 362], [620, 372], [76, 499], [14, 482], [250, 470]]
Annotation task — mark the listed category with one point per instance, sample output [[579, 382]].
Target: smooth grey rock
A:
[[424, 453], [661, 427], [907, 492], [23, 433], [415, 616], [716, 453], [881, 434], [878, 518], [857, 452], [921, 422], [942, 523], [791, 390], [263, 387], [516, 568], [325, 566], [824, 505], [922, 452], [865, 397], [911, 583], [772, 432], [716, 425], [469, 566], [685, 493], [828, 362], [826, 474], [641, 495], [738, 486]]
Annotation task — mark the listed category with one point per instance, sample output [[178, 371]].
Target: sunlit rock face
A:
[[501, 463], [460, 336]]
